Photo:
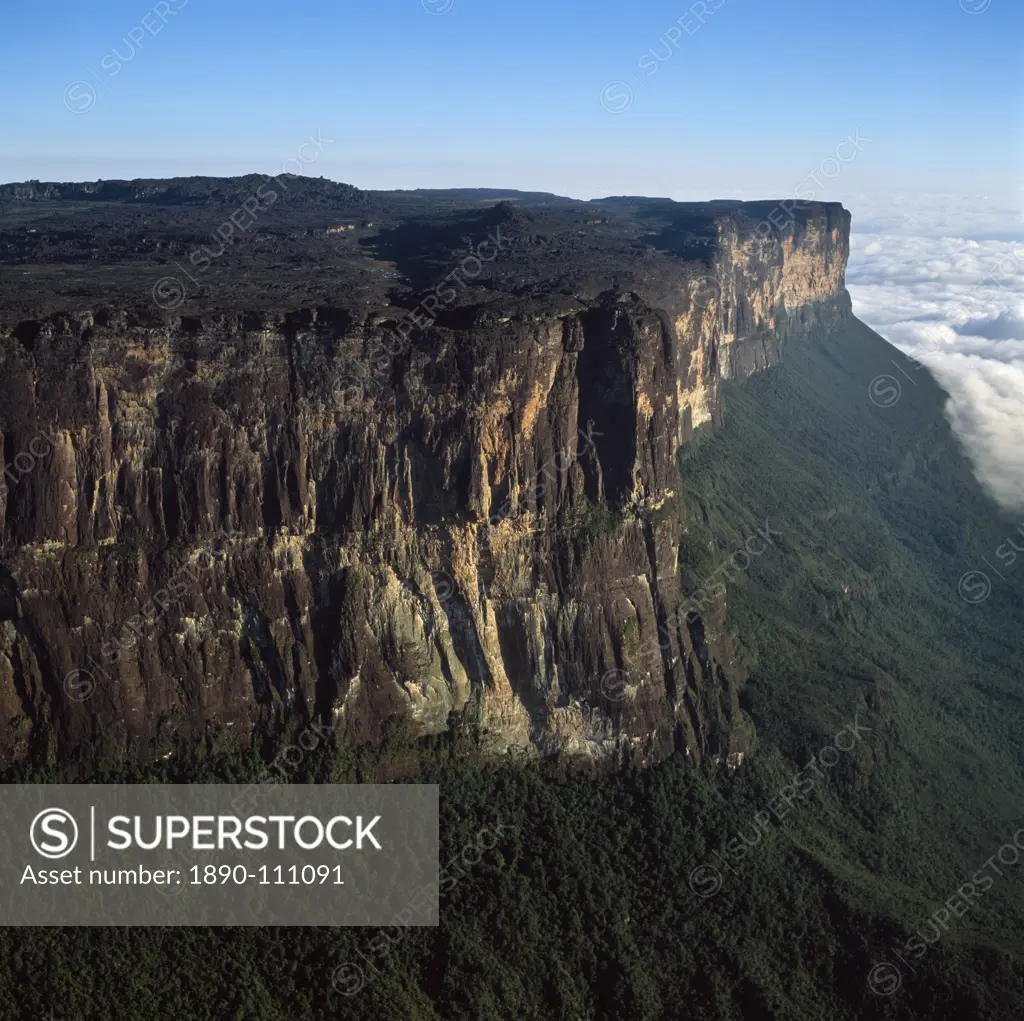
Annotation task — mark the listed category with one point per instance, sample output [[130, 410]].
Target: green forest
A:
[[616, 896]]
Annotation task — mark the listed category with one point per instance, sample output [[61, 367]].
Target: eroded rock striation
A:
[[396, 514]]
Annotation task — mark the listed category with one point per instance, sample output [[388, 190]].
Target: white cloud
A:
[[956, 304], [986, 409], [981, 218], [1003, 326]]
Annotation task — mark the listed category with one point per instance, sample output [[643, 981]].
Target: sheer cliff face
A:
[[757, 280], [235, 518]]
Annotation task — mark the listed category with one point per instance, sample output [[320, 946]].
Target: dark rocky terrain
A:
[[413, 474], [489, 487]]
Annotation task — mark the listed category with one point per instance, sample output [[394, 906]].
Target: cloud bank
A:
[[956, 304]]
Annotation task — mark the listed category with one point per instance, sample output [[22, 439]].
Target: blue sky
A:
[[748, 100]]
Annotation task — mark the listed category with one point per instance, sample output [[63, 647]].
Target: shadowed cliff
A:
[[404, 461]]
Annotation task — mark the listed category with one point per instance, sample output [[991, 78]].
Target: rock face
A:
[[240, 517]]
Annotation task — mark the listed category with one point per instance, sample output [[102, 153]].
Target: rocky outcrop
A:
[[229, 518]]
